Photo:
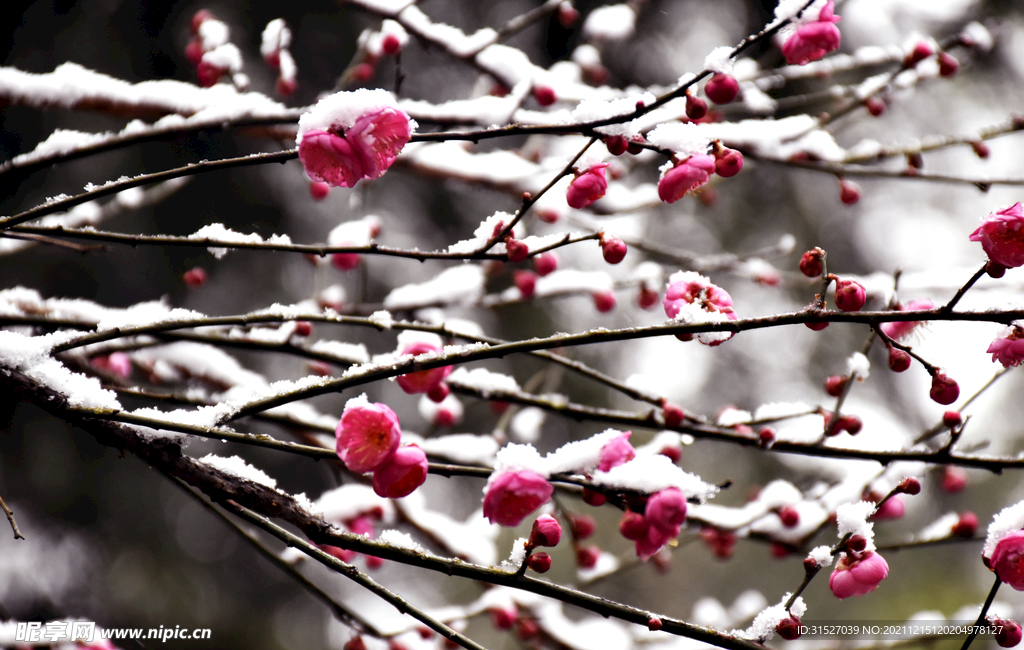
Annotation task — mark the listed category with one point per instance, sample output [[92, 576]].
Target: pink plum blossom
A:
[[856, 576], [893, 508], [616, 452], [666, 510], [850, 295], [422, 381], [347, 137], [1008, 560], [1002, 236], [685, 176], [811, 41], [402, 474], [1008, 349], [513, 495], [587, 187], [900, 329], [367, 435], [690, 296]]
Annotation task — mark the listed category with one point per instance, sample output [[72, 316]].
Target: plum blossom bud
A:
[[567, 15], [582, 526], [587, 187], [513, 495], [966, 525], [635, 144], [367, 435], [789, 628], [545, 263], [350, 136], [422, 381], [647, 298], [856, 576], [893, 508], [849, 192], [696, 107], [835, 384], [922, 50], [616, 144], [545, 95], [504, 619], [654, 624], [789, 516], [195, 277], [587, 556], [875, 106], [672, 414], [616, 452], [612, 248], [546, 532], [811, 41], [899, 360], [1001, 235], [811, 263], [526, 282], [944, 389], [910, 485], [355, 643], [539, 562], [516, 250], [981, 149], [400, 476], [345, 261], [954, 479], [1008, 560], [948, 65], [850, 295], [952, 419], [633, 526], [1009, 633], [604, 301], [439, 393], [722, 88], [685, 176], [527, 629], [1008, 349], [318, 190], [729, 163]]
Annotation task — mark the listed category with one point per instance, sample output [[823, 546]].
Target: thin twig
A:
[[10, 518], [982, 614]]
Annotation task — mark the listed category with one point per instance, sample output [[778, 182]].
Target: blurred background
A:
[[109, 540]]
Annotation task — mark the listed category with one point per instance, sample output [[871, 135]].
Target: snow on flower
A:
[[421, 381], [813, 39], [350, 136], [1010, 520], [1001, 235], [852, 519], [513, 495], [367, 435], [692, 298]]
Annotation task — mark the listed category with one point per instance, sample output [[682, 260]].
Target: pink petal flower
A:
[[587, 187], [422, 381], [511, 496], [1008, 560], [666, 510], [367, 436], [1002, 236], [813, 40], [400, 476], [900, 329], [1008, 349], [616, 452], [347, 137], [693, 288], [649, 545], [856, 577], [893, 508], [686, 176]]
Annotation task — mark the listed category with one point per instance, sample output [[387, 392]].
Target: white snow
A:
[[469, 448], [458, 284], [342, 109], [822, 555], [213, 33], [852, 519], [763, 627], [235, 466], [610, 22], [382, 319], [653, 473], [451, 38], [719, 60], [526, 424], [276, 36], [218, 233], [858, 364], [592, 110], [483, 380], [573, 281], [1009, 520], [580, 456], [401, 540]]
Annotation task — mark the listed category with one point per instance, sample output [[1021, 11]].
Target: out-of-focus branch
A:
[[10, 519]]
